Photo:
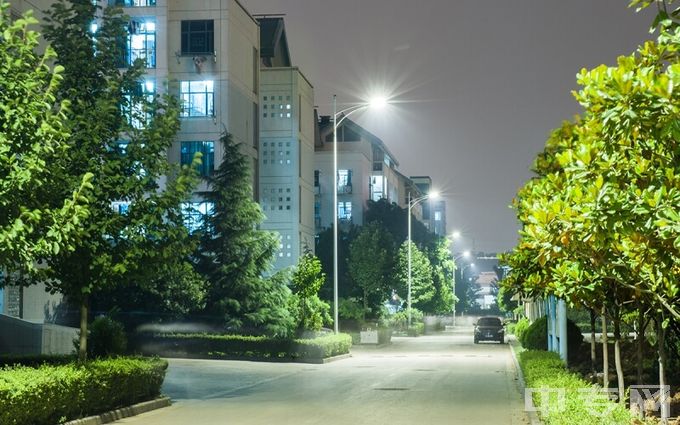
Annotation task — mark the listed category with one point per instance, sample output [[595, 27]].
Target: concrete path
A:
[[441, 379]]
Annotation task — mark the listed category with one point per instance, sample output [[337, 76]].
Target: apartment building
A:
[[286, 183], [207, 54], [367, 170]]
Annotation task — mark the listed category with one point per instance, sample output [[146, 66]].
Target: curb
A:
[[336, 358], [124, 412], [533, 417]]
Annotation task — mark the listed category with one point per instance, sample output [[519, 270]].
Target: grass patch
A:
[[583, 403]]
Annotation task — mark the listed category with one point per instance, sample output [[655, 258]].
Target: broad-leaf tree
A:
[[134, 234], [40, 212]]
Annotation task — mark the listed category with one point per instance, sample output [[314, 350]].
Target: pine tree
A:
[[235, 254]]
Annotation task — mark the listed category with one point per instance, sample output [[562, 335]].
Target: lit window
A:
[[141, 43], [132, 3], [345, 210], [135, 109], [198, 98], [207, 149], [195, 214]]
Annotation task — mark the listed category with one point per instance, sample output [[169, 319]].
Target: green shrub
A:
[[106, 338], [47, 395], [521, 327], [544, 369], [416, 329], [399, 320], [536, 336], [230, 346], [37, 360]]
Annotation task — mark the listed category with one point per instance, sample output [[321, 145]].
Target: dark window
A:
[[198, 37], [207, 150]]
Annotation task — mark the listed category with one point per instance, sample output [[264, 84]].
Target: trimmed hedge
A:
[[543, 369], [237, 346], [535, 337], [48, 395], [37, 360]]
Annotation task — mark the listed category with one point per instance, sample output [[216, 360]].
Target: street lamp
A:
[[465, 254], [411, 204], [377, 102]]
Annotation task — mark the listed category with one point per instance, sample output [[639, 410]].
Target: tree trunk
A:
[[662, 371], [82, 348], [593, 347], [640, 337], [365, 303], [605, 352], [617, 359]]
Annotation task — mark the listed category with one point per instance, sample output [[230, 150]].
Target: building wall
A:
[[286, 185]]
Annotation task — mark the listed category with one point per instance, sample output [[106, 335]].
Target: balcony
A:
[[344, 189]]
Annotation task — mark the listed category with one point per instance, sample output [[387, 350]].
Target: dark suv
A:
[[489, 328]]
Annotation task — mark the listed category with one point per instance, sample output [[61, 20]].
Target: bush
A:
[[235, 346], [416, 329], [51, 394], [521, 327], [37, 360], [399, 320], [536, 336], [544, 369], [106, 338]]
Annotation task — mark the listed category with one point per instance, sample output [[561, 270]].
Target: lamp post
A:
[[411, 204], [376, 102], [465, 254]]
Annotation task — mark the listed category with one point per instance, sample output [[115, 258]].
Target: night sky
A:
[[479, 84]]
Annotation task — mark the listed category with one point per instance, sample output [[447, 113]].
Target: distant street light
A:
[[464, 254], [412, 203], [376, 102]]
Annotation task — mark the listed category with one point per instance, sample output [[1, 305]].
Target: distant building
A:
[[424, 185], [286, 182], [439, 217], [367, 170]]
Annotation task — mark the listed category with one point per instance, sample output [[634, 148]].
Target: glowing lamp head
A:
[[455, 235], [433, 195], [378, 102], [466, 254]]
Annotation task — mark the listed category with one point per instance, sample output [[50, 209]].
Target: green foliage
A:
[[371, 263], [121, 137], [546, 370], [422, 287], [234, 254], [504, 300], [399, 320], [535, 337], [106, 338], [350, 308], [40, 212], [51, 394], [442, 278], [237, 346], [309, 312], [521, 327]]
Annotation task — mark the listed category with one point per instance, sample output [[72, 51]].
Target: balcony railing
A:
[[345, 189], [132, 3]]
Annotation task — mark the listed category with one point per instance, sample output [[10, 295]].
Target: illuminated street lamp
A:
[[412, 203], [376, 102], [465, 254]]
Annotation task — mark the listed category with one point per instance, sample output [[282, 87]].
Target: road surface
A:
[[439, 379]]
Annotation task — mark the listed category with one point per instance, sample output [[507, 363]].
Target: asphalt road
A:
[[441, 379]]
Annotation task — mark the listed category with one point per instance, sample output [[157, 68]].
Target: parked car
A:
[[489, 328]]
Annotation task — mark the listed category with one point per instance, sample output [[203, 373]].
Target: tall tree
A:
[[422, 287], [235, 255], [310, 312], [121, 136], [34, 223], [370, 264]]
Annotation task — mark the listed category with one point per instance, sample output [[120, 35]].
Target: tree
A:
[[34, 223], [370, 264], [442, 278], [121, 136], [310, 312], [234, 254], [422, 287]]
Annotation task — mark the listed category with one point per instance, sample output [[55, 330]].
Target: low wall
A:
[[21, 337]]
